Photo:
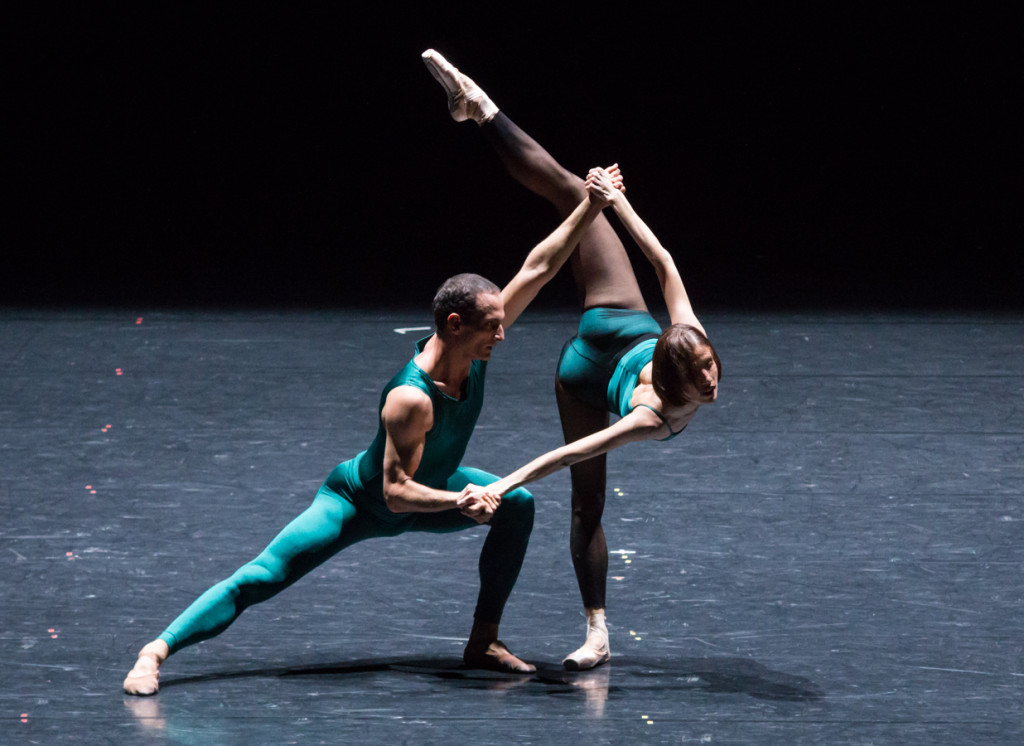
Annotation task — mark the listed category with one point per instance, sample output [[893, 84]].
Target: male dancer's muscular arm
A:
[[408, 416]]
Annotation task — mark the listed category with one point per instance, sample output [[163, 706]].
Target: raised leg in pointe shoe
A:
[[466, 100], [620, 362]]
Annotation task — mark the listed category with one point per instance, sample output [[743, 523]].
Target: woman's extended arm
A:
[[547, 257], [640, 424], [678, 302]]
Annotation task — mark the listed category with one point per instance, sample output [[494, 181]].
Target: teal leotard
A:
[[602, 363], [350, 507]]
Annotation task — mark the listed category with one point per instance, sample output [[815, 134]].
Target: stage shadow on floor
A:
[[709, 675]]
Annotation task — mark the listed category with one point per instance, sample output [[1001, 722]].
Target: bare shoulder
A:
[[407, 405], [646, 375], [642, 423], [679, 417]]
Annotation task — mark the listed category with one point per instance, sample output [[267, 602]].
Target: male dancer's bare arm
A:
[[408, 416], [547, 257], [678, 302]]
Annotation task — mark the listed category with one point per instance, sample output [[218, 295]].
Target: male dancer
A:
[[409, 479]]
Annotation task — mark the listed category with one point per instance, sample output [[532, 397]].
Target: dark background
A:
[[790, 155]]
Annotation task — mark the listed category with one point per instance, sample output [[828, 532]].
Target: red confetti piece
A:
[[88, 486], [118, 371], [138, 320]]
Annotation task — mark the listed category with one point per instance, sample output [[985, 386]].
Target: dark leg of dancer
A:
[[604, 275], [500, 562], [586, 535], [600, 265]]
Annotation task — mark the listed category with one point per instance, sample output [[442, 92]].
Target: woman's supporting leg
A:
[[603, 272], [586, 535], [325, 528]]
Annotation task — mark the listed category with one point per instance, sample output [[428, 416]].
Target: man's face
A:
[[481, 337]]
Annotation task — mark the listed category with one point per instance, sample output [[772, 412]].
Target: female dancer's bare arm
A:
[[640, 424], [678, 302]]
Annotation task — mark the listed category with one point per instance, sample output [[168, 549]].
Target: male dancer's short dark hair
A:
[[458, 295]]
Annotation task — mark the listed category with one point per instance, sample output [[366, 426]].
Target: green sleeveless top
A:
[[361, 479]]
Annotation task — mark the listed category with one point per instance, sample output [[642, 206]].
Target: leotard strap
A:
[[662, 418]]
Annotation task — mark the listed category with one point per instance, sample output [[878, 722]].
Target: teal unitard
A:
[[349, 507]]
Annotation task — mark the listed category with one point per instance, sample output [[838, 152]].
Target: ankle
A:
[[486, 110], [482, 634], [158, 650]]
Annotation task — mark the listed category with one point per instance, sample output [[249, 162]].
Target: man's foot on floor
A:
[[495, 657], [144, 679]]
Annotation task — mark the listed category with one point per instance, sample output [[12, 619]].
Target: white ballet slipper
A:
[[594, 651]]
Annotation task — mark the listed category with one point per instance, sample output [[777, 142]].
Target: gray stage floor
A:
[[832, 553]]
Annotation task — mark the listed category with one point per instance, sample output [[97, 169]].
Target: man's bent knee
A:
[[516, 507]]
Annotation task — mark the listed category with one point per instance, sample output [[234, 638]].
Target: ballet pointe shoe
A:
[[466, 100], [594, 651]]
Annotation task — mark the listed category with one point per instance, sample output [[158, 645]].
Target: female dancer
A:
[[620, 361]]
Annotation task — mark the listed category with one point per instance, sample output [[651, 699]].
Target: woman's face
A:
[[703, 385]]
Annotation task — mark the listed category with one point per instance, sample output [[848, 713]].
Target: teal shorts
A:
[[589, 359]]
